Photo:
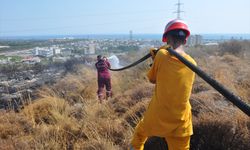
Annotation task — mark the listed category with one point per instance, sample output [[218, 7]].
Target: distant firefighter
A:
[[103, 78]]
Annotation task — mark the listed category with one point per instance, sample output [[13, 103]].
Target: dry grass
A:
[[218, 132], [68, 115]]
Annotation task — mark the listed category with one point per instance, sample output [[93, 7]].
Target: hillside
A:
[[68, 115]]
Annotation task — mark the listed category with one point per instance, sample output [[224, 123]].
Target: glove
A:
[[153, 52]]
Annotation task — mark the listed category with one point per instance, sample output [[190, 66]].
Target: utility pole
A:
[[179, 11]]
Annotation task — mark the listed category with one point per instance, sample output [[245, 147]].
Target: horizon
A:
[[156, 36]]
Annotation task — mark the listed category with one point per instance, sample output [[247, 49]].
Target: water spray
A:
[[114, 61]]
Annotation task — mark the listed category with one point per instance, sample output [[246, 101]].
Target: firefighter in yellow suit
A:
[[169, 112]]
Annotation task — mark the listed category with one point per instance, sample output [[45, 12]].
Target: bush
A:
[[232, 47], [220, 134]]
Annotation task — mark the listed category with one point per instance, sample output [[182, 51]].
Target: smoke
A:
[[114, 62]]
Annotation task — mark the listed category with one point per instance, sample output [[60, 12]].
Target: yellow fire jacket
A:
[[169, 112]]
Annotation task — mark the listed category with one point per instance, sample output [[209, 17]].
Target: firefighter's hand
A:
[[153, 52], [165, 47]]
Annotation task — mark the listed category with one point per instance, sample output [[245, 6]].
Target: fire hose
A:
[[244, 107], [133, 64]]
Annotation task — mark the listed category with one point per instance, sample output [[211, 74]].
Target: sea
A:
[[212, 37]]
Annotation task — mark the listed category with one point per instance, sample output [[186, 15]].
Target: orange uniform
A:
[[169, 112]]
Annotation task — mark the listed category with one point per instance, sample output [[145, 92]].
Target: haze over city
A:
[[62, 17]]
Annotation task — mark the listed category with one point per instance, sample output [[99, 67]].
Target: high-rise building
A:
[[130, 35], [194, 40]]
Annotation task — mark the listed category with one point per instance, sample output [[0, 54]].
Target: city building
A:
[[66, 51], [60, 59], [44, 51], [56, 51], [31, 60], [194, 40], [90, 50]]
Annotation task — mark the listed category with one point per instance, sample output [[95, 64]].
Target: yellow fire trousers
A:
[[174, 143]]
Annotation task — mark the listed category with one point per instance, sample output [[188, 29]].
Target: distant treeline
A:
[[28, 44]]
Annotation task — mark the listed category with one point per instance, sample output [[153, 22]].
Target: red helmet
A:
[[174, 25]]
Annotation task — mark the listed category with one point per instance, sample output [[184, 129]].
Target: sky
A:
[[81, 17]]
